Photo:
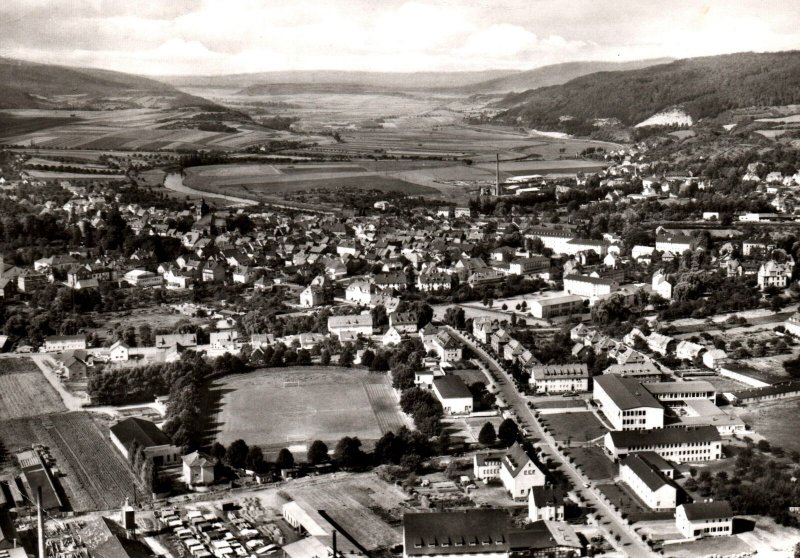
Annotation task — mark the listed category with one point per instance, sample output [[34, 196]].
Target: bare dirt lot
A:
[[277, 408], [24, 391]]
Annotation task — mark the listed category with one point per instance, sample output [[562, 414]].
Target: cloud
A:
[[224, 36]]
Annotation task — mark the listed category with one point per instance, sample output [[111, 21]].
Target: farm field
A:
[[54, 175], [24, 391], [130, 129], [276, 408], [367, 508], [94, 475]]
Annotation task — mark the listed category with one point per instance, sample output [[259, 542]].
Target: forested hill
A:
[[703, 87], [31, 85]]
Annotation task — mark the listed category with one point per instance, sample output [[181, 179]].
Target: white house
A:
[[714, 357], [519, 473], [198, 469], [453, 394], [359, 292], [626, 404], [709, 519], [774, 274], [661, 285], [447, 347], [311, 296], [119, 352], [486, 466], [545, 504], [391, 337]]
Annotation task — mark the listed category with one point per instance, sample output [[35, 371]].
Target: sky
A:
[[210, 37]]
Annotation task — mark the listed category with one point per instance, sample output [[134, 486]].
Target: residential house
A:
[[705, 519], [545, 503], [559, 378]]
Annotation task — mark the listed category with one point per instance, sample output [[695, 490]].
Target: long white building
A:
[[681, 445]]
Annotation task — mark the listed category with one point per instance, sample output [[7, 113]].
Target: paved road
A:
[[630, 543]]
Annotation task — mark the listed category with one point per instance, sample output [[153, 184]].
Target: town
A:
[[342, 280], [558, 376]]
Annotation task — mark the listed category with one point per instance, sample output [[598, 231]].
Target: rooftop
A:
[[626, 393]]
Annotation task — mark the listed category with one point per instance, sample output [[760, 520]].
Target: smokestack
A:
[[497, 175], [334, 544], [40, 518]]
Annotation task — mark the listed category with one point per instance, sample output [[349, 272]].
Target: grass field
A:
[[778, 422], [595, 464], [579, 427], [24, 391], [94, 475], [276, 408]]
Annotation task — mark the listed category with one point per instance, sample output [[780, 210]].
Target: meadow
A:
[[286, 407]]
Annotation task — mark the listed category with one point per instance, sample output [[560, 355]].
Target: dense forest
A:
[[704, 87]]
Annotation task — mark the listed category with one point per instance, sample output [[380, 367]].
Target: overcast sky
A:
[[161, 37]]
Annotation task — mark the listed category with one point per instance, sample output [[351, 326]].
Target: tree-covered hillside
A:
[[703, 87]]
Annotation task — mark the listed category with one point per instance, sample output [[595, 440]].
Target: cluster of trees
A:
[[700, 295], [147, 471], [426, 410], [507, 433], [278, 355], [759, 485], [239, 455]]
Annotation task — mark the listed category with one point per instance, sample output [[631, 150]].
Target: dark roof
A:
[[626, 393], [459, 532], [142, 431], [708, 510], [547, 496], [542, 536], [451, 387], [648, 474], [662, 436], [590, 279]]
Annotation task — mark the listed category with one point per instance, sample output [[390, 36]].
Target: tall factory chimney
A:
[[497, 175], [40, 519]]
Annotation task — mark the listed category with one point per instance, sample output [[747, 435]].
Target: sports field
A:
[[283, 407]]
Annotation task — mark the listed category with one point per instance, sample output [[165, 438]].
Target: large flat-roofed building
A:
[[555, 240], [682, 391], [154, 443], [702, 412], [529, 266], [485, 533], [453, 394], [475, 532], [589, 287], [554, 307], [60, 343], [559, 378], [709, 519], [649, 476], [626, 404], [641, 371], [360, 324], [682, 445]]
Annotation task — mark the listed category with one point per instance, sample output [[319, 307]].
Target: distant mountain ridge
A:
[[555, 74], [702, 87], [28, 85], [322, 78], [475, 82]]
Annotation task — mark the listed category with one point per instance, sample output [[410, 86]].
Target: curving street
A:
[[630, 542]]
